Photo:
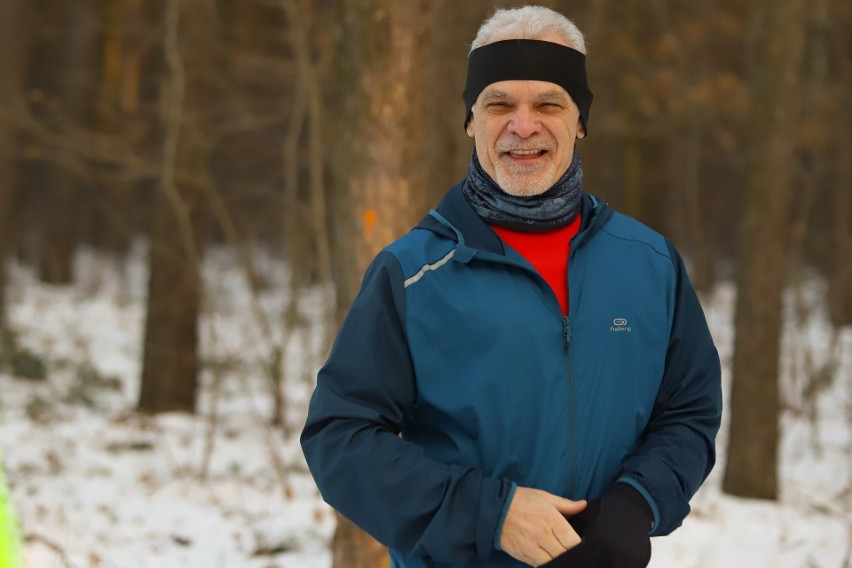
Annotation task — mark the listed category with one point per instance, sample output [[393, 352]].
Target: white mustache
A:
[[510, 146]]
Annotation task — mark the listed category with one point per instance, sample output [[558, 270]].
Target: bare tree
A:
[[380, 192], [445, 148], [377, 199], [109, 215], [840, 269], [779, 35], [686, 140], [75, 60], [13, 57], [171, 362]]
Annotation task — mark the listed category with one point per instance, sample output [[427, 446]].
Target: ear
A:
[[581, 131], [469, 126]]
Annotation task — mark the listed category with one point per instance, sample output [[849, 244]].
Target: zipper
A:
[[566, 331], [572, 410], [571, 451], [576, 243]]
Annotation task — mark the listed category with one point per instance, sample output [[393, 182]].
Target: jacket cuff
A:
[[499, 531]]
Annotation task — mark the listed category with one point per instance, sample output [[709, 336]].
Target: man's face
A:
[[524, 133]]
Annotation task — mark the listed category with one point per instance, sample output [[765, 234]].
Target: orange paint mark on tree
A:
[[370, 218]]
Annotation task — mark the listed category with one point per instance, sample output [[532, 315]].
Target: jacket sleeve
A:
[[677, 448], [353, 447]]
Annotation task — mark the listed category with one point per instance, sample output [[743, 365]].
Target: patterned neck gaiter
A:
[[552, 209]]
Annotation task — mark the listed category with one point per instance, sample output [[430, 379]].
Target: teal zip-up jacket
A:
[[456, 378]]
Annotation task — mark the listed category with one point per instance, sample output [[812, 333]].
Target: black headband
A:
[[528, 59]]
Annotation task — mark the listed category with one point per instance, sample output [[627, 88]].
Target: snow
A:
[[97, 485]]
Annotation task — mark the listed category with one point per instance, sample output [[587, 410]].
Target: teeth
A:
[[525, 152]]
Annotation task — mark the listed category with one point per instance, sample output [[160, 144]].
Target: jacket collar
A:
[[477, 234]]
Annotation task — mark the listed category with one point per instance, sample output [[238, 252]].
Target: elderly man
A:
[[526, 377]]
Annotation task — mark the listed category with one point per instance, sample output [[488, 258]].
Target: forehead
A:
[[524, 90]]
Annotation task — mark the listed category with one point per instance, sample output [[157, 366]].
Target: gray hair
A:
[[528, 22]]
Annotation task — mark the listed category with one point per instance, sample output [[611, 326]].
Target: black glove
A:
[[614, 531]]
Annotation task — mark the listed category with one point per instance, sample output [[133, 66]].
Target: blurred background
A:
[[250, 111], [310, 133]]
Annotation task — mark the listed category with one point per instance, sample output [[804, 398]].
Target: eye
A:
[[499, 107]]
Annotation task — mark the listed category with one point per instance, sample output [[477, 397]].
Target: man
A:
[[527, 377]]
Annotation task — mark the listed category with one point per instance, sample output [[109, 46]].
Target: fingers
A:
[[539, 556], [535, 530], [566, 536], [567, 506]]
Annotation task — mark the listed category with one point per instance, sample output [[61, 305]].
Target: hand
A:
[[615, 531], [535, 529]]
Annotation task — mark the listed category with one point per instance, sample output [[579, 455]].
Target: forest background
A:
[[318, 130]]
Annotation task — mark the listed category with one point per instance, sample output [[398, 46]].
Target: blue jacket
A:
[[455, 378]]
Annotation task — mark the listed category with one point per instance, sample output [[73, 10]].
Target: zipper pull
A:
[[566, 331]]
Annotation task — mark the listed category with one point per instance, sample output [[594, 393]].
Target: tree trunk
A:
[[445, 148], [840, 270], [5, 202], [59, 240], [308, 117], [840, 275], [353, 548], [685, 202], [633, 182], [763, 249], [111, 221], [170, 362], [686, 140], [76, 60], [13, 60], [380, 194]]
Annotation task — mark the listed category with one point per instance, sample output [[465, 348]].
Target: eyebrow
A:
[[553, 95], [495, 94]]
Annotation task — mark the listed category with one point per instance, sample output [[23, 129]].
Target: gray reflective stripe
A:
[[428, 267]]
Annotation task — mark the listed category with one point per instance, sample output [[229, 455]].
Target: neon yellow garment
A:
[[10, 550]]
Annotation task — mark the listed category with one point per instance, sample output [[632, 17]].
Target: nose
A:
[[524, 123]]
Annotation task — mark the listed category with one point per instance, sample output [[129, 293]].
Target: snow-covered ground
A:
[[97, 485]]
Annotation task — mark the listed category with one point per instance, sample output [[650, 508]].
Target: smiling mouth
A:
[[525, 154]]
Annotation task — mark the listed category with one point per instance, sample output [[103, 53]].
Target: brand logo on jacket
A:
[[620, 325]]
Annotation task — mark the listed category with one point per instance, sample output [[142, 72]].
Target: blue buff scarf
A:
[[554, 208]]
